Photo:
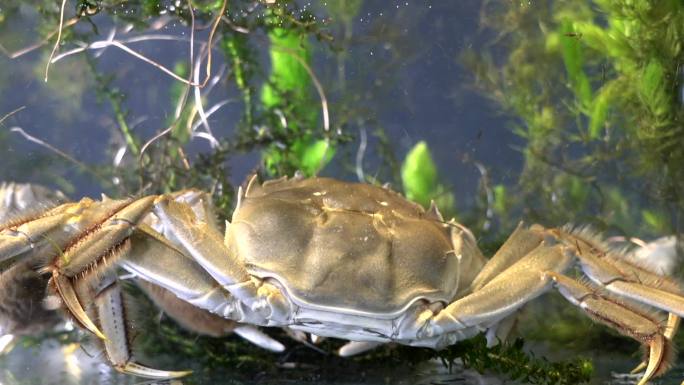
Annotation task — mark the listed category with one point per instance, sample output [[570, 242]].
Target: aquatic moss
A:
[[595, 86]]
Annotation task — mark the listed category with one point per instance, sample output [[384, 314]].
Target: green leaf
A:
[[315, 156], [599, 110], [656, 221], [652, 89], [500, 195], [572, 58], [419, 174], [288, 51]]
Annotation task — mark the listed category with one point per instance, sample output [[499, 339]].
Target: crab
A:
[[331, 258]]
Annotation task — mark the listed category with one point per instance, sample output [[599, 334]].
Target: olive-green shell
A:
[[347, 247]]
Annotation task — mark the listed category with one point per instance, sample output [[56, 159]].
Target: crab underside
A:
[[321, 256]]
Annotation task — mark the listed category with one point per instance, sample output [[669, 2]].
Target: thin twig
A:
[[314, 79], [59, 38], [235, 27], [151, 62], [101, 44], [33, 47], [360, 154], [50, 147], [184, 97], [184, 158], [211, 111], [7, 115], [204, 135], [198, 103], [152, 140], [123, 47], [224, 5]]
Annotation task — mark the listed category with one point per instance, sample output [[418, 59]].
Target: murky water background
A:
[[402, 65]]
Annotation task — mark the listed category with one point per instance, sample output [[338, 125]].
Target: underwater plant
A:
[[603, 139]]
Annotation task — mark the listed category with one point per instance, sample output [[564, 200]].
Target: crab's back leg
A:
[[23, 289], [519, 243], [628, 320], [534, 273], [190, 317]]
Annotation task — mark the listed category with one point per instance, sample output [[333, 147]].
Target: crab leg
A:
[[628, 321], [519, 243], [20, 206], [353, 348], [628, 281], [155, 260], [87, 255], [111, 310], [206, 246], [17, 238], [203, 322], [532, 274], [503, 295]]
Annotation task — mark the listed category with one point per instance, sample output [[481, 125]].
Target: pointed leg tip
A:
[[638, 368], [259, 338], [657, 360], [7, 342], [70, 299], [143, 371]]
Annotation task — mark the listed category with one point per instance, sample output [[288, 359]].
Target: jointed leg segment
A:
[[88, 240], [533, 259]]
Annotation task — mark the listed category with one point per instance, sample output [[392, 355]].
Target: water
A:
[[397, 75]]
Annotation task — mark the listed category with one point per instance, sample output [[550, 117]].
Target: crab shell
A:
[[348, 248]]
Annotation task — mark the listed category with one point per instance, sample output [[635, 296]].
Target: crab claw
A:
[[91, 252]]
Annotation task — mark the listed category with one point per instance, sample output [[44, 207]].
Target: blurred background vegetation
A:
[[586, 96]]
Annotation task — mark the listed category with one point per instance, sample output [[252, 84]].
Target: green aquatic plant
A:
[[288, 92], [421, 182], [511, 359], [596, 88]]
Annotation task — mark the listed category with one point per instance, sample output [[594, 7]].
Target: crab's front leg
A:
[[85, 257], [206, 245], [109, 310], [78, 244]]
